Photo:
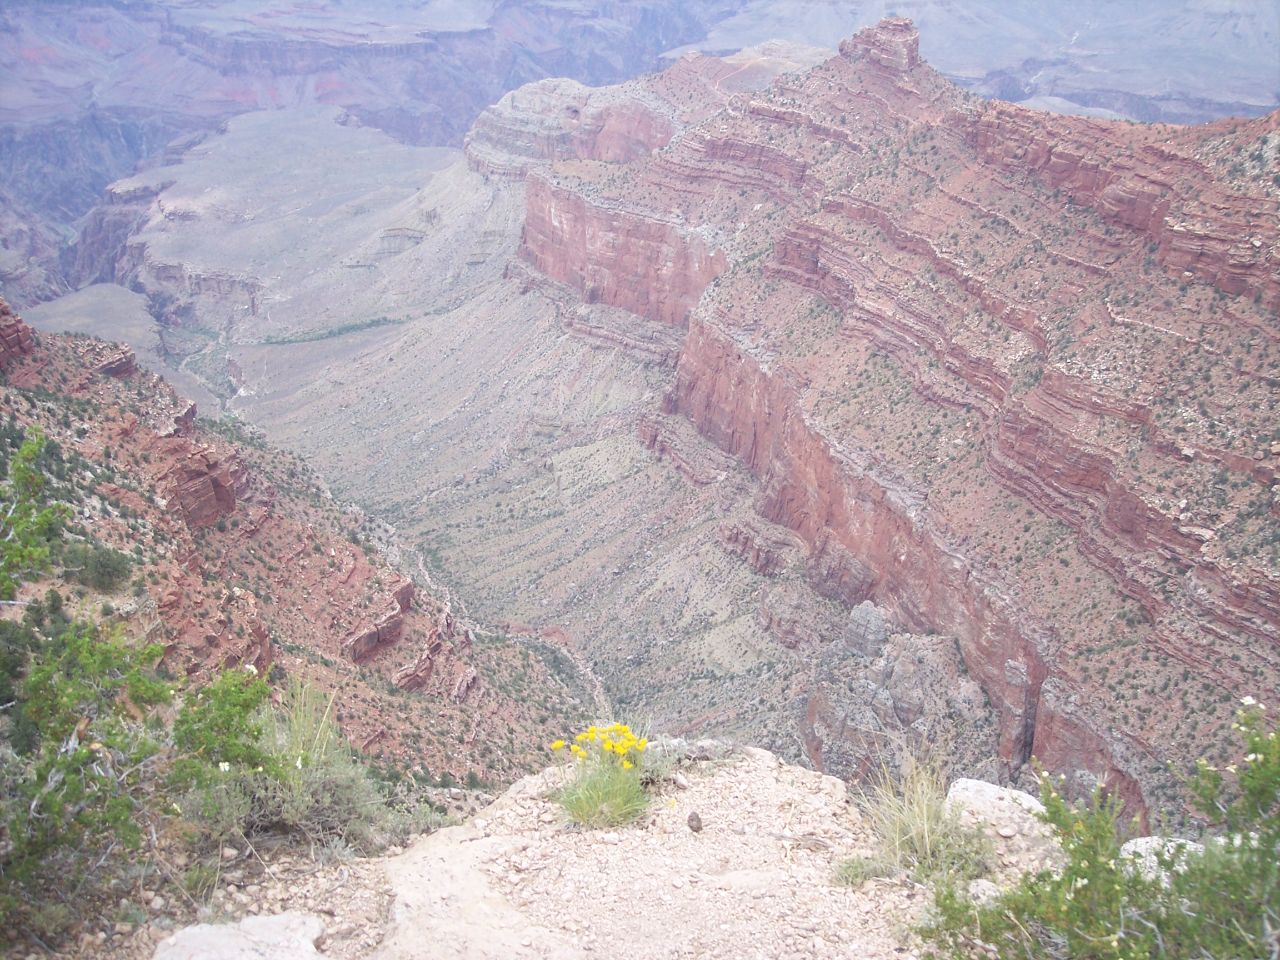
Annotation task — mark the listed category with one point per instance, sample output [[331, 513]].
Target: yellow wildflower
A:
[[557, 745]]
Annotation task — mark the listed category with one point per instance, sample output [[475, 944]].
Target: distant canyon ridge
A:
[[807, 396], [92, 89]]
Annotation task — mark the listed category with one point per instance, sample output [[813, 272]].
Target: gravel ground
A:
[[757, 880], [736, 858]]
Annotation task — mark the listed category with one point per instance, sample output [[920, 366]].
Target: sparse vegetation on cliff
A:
[[94, 768], [1219, 899], [917, 832], [256, 770]]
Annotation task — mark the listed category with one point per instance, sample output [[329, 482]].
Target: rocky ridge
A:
[[837, 231], [240, 558]]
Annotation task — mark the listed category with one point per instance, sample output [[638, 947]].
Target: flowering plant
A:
[[615, 742], [605, 788]]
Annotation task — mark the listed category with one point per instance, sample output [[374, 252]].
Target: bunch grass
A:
[[915, 831]]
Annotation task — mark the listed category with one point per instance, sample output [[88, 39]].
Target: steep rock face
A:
[[386, 628], [15, 336], [201, 487], [238, 558], [646, 265], [648, 260], [977, 358], [565, 121], [97, 254], [867, 537]]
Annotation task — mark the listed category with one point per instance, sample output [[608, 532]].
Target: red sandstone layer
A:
[[1011, 375]]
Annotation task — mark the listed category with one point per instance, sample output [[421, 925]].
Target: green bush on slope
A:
[[90, 770], [1223, 902]]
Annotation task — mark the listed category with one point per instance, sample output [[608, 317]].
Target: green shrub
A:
[[916, 832], [1223, 902], [95, 566], [28, 526], [86, 768], [606, 788], [290, 771], [220, 726]]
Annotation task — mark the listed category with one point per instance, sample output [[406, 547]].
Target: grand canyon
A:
[[809, 398]]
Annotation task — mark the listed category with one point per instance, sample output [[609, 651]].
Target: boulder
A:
[[285, 936]]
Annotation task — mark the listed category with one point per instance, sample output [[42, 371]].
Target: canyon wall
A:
[[234, 556], [639, 263], [805, 335], [1010, 375]]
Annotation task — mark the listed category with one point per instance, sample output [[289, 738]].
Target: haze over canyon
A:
[[754, 355]]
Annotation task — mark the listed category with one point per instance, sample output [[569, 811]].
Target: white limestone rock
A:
[[284, 936]]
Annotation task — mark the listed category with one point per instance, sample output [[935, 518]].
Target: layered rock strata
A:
[[16, 338], [1010, 375], [236, 557]]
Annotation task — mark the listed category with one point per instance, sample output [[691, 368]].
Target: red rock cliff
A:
[[1010, 374], [15, 336], [640, 263]]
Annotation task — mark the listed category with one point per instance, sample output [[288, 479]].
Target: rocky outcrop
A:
[[647, 265], [201, 487], [894, 46], [1011, 821], [765, 548], [366, 640], [16, 338], [561, 119], [98, 253], [442, 628], [770, 836], [119, 363]]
